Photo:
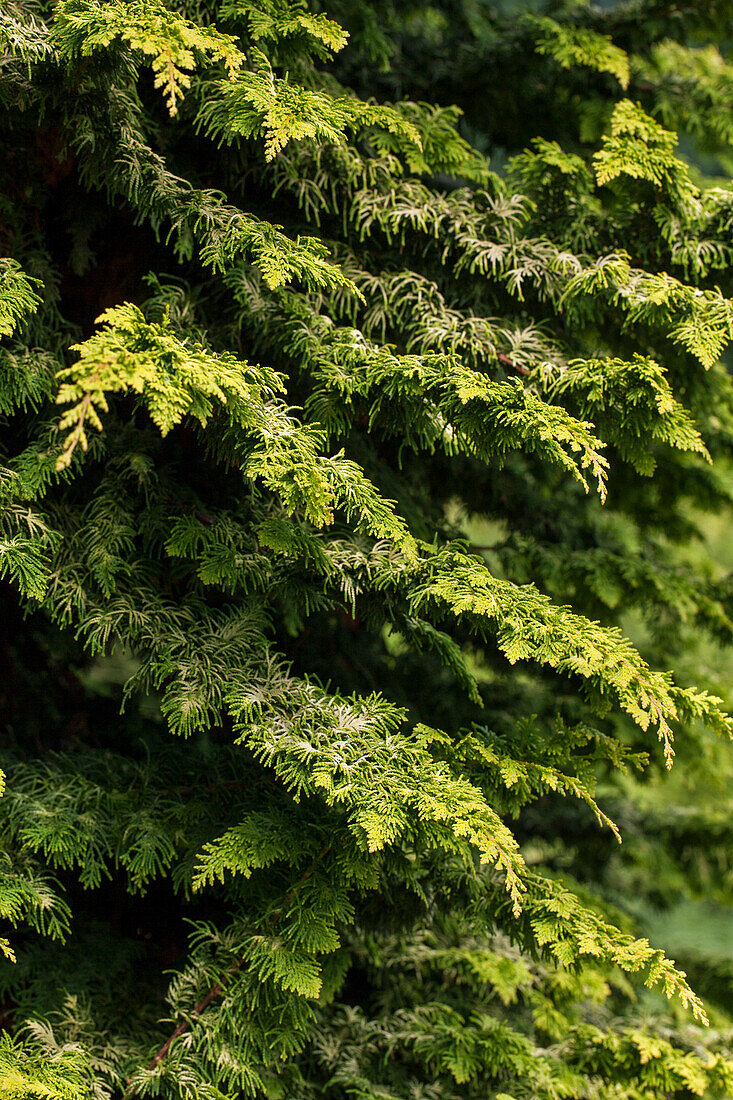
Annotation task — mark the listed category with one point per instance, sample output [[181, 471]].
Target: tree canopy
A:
[[364, 405]]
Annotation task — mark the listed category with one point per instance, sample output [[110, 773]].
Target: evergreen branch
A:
[[23, 35], [278, 23], [124, 165], [445, 403], [175, 379], [639, 147], [259, 104], [220, 986], [570, 46], [528, 626], [82, 27], [78, 416], [18, 297], [27, 1069]]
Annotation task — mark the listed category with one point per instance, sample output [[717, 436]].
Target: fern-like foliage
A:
[[33, 1071], [358, 445]]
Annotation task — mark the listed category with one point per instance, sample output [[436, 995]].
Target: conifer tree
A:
[[362, 387]]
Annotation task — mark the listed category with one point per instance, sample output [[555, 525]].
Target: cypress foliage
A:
[[361, 390]]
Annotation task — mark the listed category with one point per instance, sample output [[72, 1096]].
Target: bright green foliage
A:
[[276, 22], [174, 44], [29, 1073], [572, 46], [641, 394], [347, 435], [258, 104], [639, 147], [17, 297]]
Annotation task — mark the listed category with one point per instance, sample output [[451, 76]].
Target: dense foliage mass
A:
[[361, 391]]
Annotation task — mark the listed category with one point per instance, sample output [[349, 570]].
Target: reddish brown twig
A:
[[510, 363], [219, 987]]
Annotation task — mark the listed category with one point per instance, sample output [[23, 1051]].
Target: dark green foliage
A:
[[347, 434]]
